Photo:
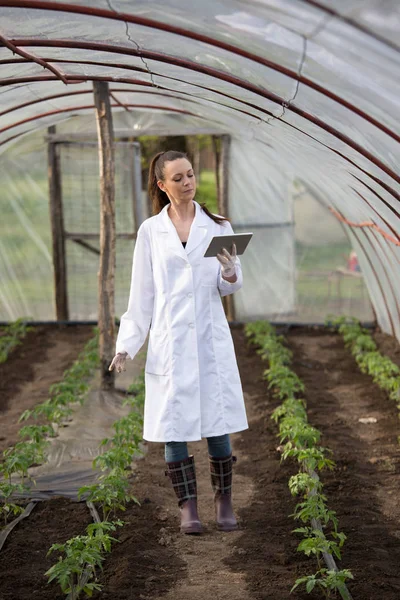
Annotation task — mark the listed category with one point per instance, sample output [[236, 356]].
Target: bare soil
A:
[[259, 562], [35, 365]]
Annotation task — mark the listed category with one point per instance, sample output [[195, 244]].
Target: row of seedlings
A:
[[11, 337], [35, 439], [384, 372], [80, 557], [322, 538]]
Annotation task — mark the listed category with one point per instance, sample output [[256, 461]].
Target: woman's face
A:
[[179, 181]]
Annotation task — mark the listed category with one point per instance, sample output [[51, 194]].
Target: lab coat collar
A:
[[198, 231]]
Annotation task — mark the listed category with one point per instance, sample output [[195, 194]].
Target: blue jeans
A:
[[218, 447]]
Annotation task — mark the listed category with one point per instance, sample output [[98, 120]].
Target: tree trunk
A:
[[107, 231], [57, 230]]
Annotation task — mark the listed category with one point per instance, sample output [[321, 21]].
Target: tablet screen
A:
[[225, 241]]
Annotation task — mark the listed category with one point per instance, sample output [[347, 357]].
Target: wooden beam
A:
[[86, 246], [107, 230], [95, 236], [57, 230], [121, 134]]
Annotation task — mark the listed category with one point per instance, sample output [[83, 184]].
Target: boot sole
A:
[[192, 529], [226, 527]]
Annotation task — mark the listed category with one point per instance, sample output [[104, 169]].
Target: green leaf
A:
[[310, 585]]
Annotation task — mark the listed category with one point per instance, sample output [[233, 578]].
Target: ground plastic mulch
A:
[[260, 561]]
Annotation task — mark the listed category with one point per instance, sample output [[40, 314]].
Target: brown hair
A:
[[158, 198]]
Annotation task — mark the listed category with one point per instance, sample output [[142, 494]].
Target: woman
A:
[[193, 388]]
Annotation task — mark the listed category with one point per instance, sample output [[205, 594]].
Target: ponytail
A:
[[159, 199]]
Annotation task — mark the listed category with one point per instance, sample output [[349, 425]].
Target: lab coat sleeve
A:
[[135, 322], [225, 287]]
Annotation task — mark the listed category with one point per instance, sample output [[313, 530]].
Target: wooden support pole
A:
[[140, 208], [107, 230], [57, 230], [223, 159], [217, 159]]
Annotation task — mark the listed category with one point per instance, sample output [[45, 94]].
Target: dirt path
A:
[[259, 562], [25, 378], [152, 560], [365, 487]]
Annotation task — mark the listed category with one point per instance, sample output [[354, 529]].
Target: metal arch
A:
[[40, 61], [152, 24], [114, 90], [219, 75], [378, 281], [348, 229], [351, 22], [173, 93], [88, 106], [389, 279], [385, 202], [187, 95], [385, 186]]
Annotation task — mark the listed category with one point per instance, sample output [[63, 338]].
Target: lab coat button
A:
[[191, 325], [190, 295], [187, 265]]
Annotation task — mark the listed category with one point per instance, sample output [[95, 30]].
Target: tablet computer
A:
[[225, 241]]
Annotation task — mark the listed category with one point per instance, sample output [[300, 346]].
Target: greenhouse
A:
[[289, 112]]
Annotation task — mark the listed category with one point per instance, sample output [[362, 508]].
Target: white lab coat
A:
[[193, 388]]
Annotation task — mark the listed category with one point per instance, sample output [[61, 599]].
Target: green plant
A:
[[73, 387], [383, 371], [314, 507], [8, 508], [328, 581], [11, 337], [302, 443], [110, 492], [111, 489], [83, 554], [36, 433], [304, 483], [18, 458], [310, 458], [298, 431]]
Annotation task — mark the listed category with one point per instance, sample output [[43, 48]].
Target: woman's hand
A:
[[228, 263], [118, 362]]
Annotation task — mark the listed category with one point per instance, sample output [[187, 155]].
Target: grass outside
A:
[[207, 190]]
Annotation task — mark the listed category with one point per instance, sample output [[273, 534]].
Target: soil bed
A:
[[364, 489], [31, 368], [260, 561]]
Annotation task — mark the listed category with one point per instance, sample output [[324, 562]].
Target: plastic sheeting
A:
[[311, 89], [69, 458]]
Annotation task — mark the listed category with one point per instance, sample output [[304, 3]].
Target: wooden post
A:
[[107, 230], [217, 158], [140, 209], [224, 174], [57, 230], [223, 203]]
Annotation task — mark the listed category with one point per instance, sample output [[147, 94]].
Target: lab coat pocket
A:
[[157, 362]]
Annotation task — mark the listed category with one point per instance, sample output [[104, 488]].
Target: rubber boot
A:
[[183, 476], [221, 481]]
